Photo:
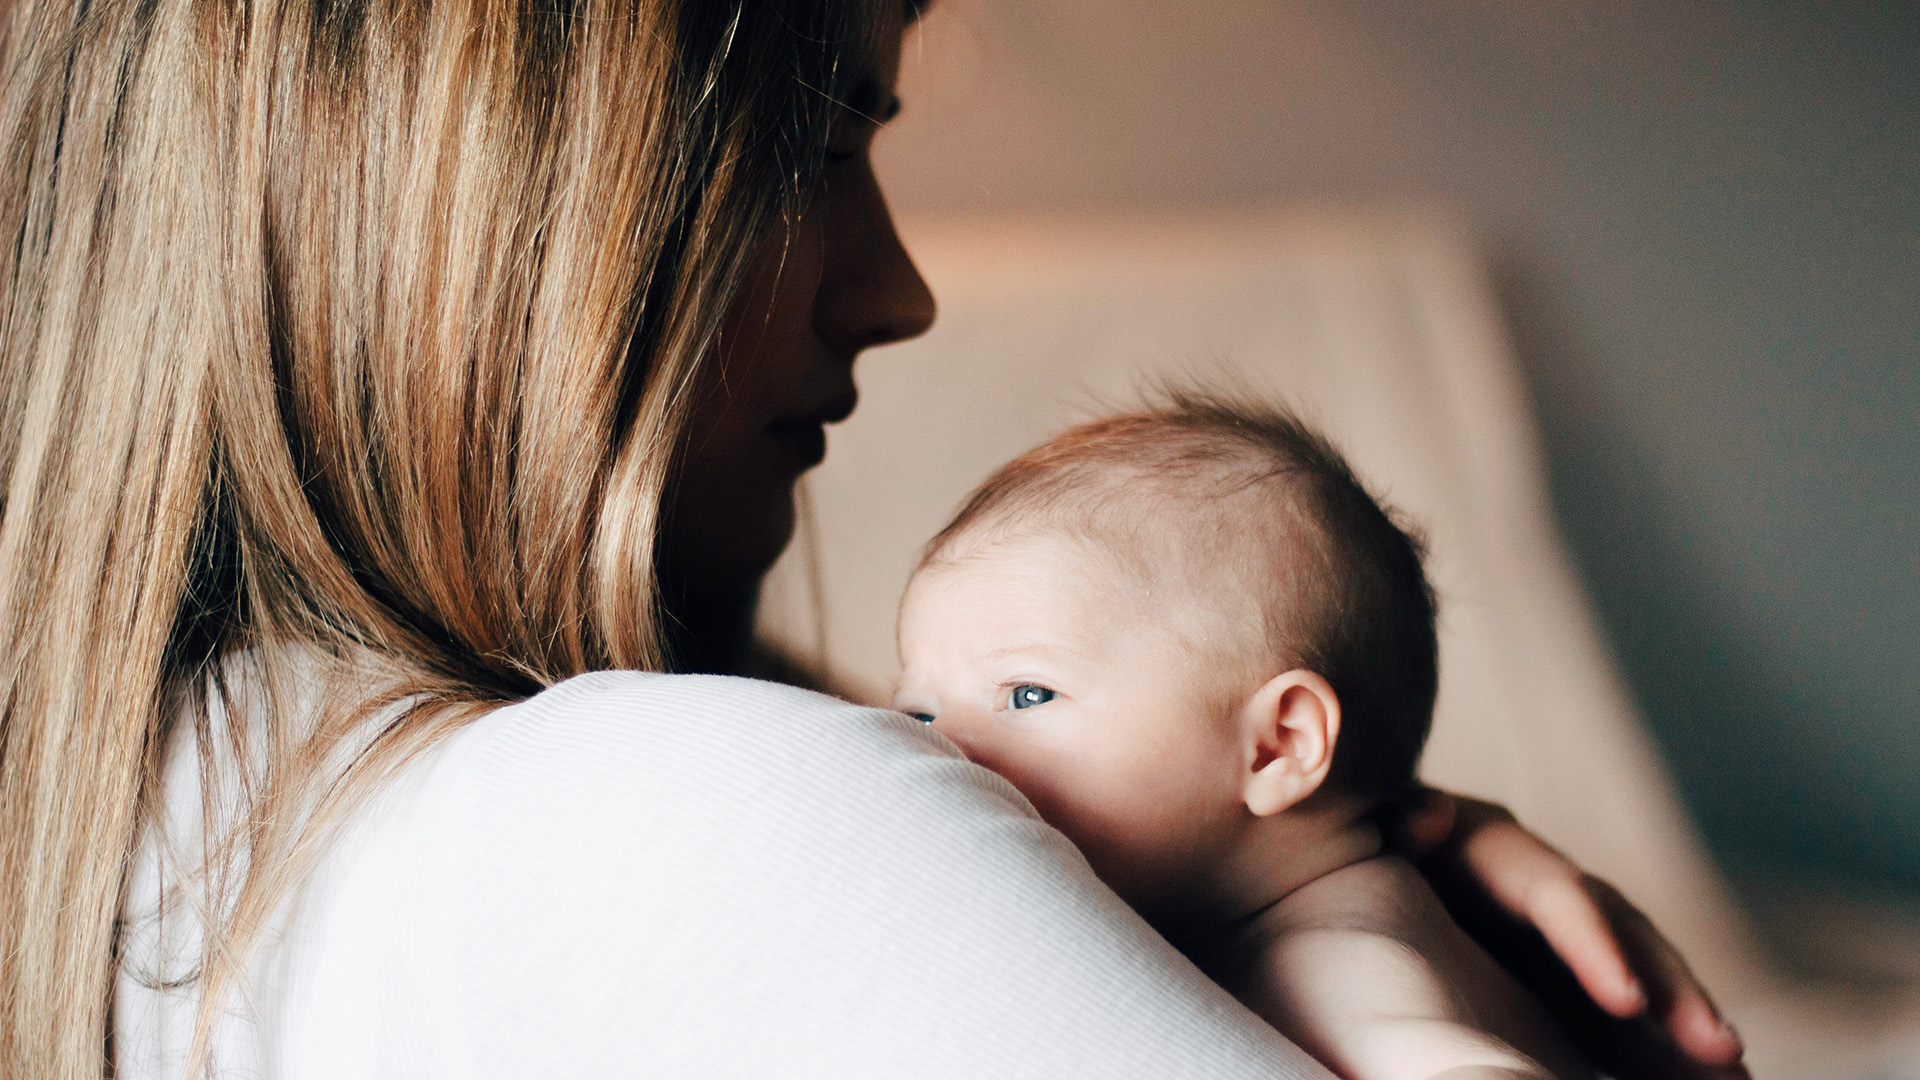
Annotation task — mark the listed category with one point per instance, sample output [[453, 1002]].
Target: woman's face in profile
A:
[[815, 296]]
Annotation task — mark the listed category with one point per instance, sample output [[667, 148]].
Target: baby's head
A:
[[1171, 630]]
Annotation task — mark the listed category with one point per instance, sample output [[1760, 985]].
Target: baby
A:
[[1206, 655]]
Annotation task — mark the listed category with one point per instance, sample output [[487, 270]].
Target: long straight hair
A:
[[364, 329]]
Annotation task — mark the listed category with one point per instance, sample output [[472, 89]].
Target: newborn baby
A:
[[1206, 655]]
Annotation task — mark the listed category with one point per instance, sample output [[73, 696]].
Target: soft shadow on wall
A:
[[1708, 232]]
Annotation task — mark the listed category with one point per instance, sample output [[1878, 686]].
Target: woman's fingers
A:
[[1615, 954], [1539, 887], [1418, 827], [1680, 1003]]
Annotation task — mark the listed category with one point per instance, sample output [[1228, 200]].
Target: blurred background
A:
[[1704, 228]]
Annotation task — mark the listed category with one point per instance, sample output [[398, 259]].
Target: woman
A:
[[372, 369]]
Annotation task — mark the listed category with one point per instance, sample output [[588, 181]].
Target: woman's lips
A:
[[804, 440], [804, 435]]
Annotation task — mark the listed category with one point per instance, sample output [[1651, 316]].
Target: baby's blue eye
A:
[[1027, 695], [923, 717]]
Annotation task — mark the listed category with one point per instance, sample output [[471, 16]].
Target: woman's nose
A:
[[870, 291]]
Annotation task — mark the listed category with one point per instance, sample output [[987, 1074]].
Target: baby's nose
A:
[[964, 744], [965, 735]]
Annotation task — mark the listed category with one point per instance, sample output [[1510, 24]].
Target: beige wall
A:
[[1707, 225]]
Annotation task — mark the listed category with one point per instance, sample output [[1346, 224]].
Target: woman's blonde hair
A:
[[368, 326]]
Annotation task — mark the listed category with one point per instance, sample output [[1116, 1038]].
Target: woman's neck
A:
[[710, 632]]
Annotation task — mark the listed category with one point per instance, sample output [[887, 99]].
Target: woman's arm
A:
[[1622, 991]]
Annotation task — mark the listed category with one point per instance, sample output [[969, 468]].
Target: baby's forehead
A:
[[1022, 556], [1186, 518], [1206, 572], [1028, 585]]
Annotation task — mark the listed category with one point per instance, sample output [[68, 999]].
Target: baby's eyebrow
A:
[[1005, 651]]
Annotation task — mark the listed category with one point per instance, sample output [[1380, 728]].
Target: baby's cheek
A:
[[1127, 849], [1050, 784], [1107, 820], [1140, 824], [1112, 809]]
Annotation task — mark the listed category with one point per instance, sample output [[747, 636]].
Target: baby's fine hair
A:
[[1204, 477]]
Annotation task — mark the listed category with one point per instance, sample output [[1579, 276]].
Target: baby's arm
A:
[[1371, 1008]]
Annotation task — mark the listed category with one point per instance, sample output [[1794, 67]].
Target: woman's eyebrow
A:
[[869, 102]]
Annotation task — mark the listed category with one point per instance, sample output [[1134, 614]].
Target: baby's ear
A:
[[1291, 725]]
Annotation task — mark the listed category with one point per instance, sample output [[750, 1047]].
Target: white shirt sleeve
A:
[[636, 875]]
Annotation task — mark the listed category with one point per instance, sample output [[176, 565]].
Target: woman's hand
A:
[[1623, 992]]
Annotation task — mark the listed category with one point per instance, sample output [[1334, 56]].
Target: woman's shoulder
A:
[[640, 874], [660, 847], [639, 765], [637, 724], [586, 700]]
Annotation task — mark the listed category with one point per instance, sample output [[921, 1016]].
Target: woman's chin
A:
[[729, 557]]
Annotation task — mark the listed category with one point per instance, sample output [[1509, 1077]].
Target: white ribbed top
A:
[[647, 875]]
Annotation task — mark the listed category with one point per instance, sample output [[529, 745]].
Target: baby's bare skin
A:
[[1195, 789], [1364, 969]]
